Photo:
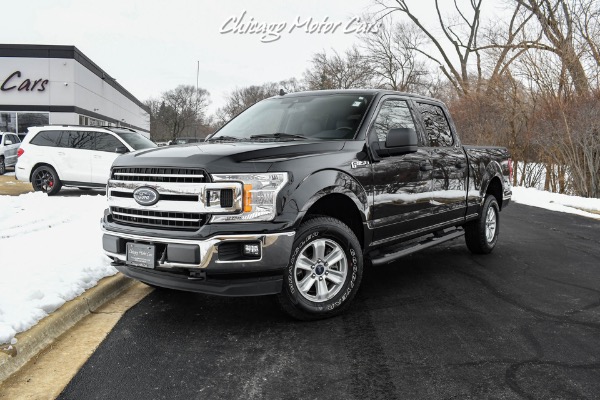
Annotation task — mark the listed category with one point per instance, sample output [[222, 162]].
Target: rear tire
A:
[[324, 271], [481, 235], [2, 166], [45, 179]]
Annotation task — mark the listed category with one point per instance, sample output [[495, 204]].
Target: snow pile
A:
[[50, 252], [556, 201]]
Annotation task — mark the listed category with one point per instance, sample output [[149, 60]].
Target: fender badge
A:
[[356, 164]]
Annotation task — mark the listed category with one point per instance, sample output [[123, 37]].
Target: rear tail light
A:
[[20, 152], [510, 169]]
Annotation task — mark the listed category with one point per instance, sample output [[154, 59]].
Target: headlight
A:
[[259, 196]]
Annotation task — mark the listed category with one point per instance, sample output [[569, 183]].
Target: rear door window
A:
[[437, 128], [79, 140]]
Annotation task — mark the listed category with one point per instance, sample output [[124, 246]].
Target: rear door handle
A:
[[60, 153], [425, 166], [97, 156]]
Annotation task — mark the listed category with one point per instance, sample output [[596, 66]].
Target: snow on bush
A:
[[50, 253]]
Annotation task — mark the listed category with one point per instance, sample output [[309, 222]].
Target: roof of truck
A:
[[357, 91]]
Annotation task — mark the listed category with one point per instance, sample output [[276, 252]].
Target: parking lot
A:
[[522, 322]]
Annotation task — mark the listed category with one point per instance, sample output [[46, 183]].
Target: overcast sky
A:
[[151, 46]]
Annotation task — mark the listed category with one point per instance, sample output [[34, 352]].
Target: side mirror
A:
[[398, 141], [8, 142], [121, 150]]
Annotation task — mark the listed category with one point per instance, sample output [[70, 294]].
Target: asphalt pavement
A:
[[522, 322]]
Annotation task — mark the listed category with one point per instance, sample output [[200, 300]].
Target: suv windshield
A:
[[324, 117], [135, 139]]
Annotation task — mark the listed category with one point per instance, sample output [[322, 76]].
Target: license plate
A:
[[141, 255]]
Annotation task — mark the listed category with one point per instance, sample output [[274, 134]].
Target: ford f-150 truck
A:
[[299, 194]]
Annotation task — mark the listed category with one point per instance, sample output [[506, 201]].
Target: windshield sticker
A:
[[356, 104]]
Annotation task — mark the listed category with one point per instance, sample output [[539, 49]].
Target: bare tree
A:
[[556, 21], [460, 35], [179, 110], [338, 71], [393, 59], [241, 98]]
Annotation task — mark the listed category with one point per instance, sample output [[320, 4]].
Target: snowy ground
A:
[[50, 252], [557, 202]]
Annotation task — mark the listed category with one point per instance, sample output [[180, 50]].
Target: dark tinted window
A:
[[78, 140], [325, 117], [107, 142], [436, 125], [15, 139], [48, 138], [393, 114]]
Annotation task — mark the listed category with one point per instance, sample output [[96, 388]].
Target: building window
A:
[[25, 120], [89, 121], [8, 122]]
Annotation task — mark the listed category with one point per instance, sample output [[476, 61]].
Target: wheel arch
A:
[[335, 194], [41, 164]]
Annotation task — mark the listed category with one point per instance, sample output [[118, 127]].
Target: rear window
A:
[[47, 138]]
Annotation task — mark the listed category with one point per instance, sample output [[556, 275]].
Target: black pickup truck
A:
[[300, 193]]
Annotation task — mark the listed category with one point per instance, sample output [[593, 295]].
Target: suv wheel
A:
[[482, 235], [324, 271], [2, 166], [45, 179]]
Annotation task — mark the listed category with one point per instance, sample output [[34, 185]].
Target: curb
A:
[[36, 339]]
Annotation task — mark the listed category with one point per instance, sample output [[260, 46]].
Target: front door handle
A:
[[60, 153], [425, 166], [460, 165]]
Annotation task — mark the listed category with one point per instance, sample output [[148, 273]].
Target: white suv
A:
[[54, 156], [9, 145]]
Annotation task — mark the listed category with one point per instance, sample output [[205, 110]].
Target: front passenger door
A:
[[104, 155], [402, 183]]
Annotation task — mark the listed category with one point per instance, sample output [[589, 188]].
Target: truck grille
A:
[[173, 175], [158, 219]]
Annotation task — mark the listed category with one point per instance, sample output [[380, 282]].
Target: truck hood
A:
[[228, 157]]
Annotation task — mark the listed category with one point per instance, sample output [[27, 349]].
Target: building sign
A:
[[14, 82]]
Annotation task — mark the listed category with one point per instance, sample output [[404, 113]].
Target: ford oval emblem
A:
[[145, 196]]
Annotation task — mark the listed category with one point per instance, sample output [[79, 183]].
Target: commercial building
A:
[[42, 85]]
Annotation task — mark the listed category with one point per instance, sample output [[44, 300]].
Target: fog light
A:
[[213, 197], [252, 250]]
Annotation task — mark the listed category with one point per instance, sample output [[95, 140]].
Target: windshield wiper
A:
[[278, 135], [229, 138]]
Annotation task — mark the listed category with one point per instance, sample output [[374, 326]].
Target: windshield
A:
[[135, 139], [322, 117]]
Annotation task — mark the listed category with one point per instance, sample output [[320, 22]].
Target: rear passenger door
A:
[[76, 152], [104, 155], [449, 161]]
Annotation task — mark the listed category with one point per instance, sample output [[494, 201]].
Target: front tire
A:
[[2, 166], [45, 179], [324, 271], [481, 235]]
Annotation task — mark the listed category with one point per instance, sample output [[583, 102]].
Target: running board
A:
[[438, 238]]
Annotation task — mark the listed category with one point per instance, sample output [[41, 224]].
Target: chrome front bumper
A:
[[275, 251]]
